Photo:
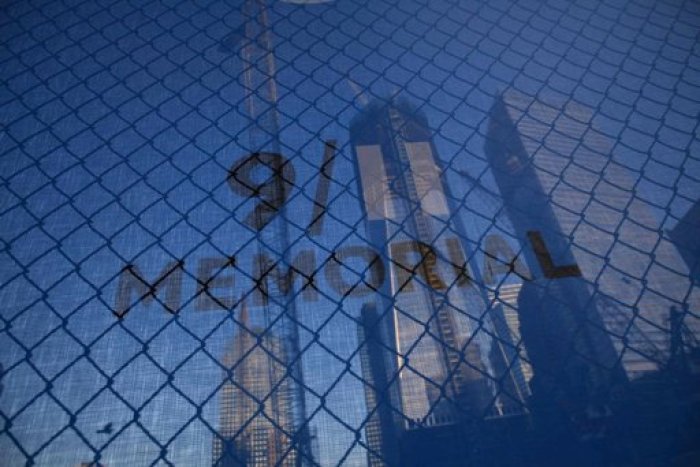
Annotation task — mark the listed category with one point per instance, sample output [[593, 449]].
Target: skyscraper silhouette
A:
[[585, 203], [255, 414], [574, 360], [380, 430], [432, 312], [509, 356], [686, 236]]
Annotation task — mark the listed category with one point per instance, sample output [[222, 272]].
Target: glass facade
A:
[[344, 232], [443, 361]]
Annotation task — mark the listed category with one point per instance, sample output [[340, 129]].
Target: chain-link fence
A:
[[390, 232]]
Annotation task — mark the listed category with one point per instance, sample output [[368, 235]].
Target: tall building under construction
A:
[[432, 311], [606, 277], [255, 414]]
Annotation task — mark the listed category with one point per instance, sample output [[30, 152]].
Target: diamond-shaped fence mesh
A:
[[388, 232]]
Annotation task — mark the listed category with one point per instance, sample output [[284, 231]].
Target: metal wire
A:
[[397, 232]]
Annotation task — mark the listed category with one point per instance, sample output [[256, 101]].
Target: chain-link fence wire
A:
[[390, 232]]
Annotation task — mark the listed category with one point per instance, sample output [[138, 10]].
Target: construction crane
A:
[[279, 312]]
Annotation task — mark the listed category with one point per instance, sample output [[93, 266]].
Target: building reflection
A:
[[542, 368], [685, 236], [561, 369], [375, 358], [451, 363], [255, 413]]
